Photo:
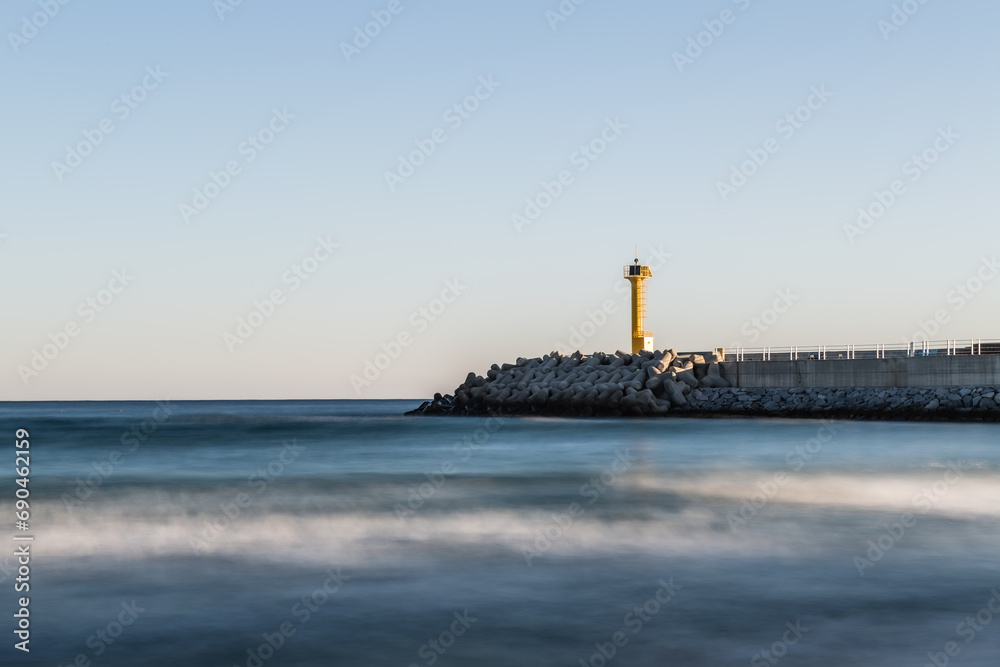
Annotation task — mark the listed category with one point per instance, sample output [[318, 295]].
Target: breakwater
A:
[[664, 383]]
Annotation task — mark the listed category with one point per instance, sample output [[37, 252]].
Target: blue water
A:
[[504, 542]]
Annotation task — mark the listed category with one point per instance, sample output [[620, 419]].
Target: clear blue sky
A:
[[677, 133]]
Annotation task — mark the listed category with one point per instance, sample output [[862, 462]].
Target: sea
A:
[[327, 533]]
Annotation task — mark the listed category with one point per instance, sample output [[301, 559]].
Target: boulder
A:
[[646, 399], [667, 356], [517, 401], [656, 367], [660, 407], [687, 377], [714, 376], [674, 392]]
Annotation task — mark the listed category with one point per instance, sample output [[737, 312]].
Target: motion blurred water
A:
[[455, 541]]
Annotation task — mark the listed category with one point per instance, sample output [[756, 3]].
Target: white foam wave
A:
[[636, 517], [944, 492]]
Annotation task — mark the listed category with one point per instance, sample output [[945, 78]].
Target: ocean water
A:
[[320, 533]]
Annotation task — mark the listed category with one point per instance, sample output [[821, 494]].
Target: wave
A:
[[950, 492], [641, 513]]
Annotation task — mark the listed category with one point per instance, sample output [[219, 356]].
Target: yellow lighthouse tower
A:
[[642, 339]]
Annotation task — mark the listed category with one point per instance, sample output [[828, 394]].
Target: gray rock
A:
[[660, 407], [687, 377], [674, 392]]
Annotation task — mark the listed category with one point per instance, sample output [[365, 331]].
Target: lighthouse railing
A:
[[949, 347]]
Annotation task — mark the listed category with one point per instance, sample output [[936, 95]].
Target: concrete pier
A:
[[930, 371]]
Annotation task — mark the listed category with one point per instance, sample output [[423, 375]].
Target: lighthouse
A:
[[642, 338]]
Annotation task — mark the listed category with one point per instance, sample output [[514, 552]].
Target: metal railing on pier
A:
[[951, 347]]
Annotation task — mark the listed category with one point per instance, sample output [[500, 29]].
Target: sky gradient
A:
[[249, 157]]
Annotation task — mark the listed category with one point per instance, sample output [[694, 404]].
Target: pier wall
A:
[[931, 371]]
